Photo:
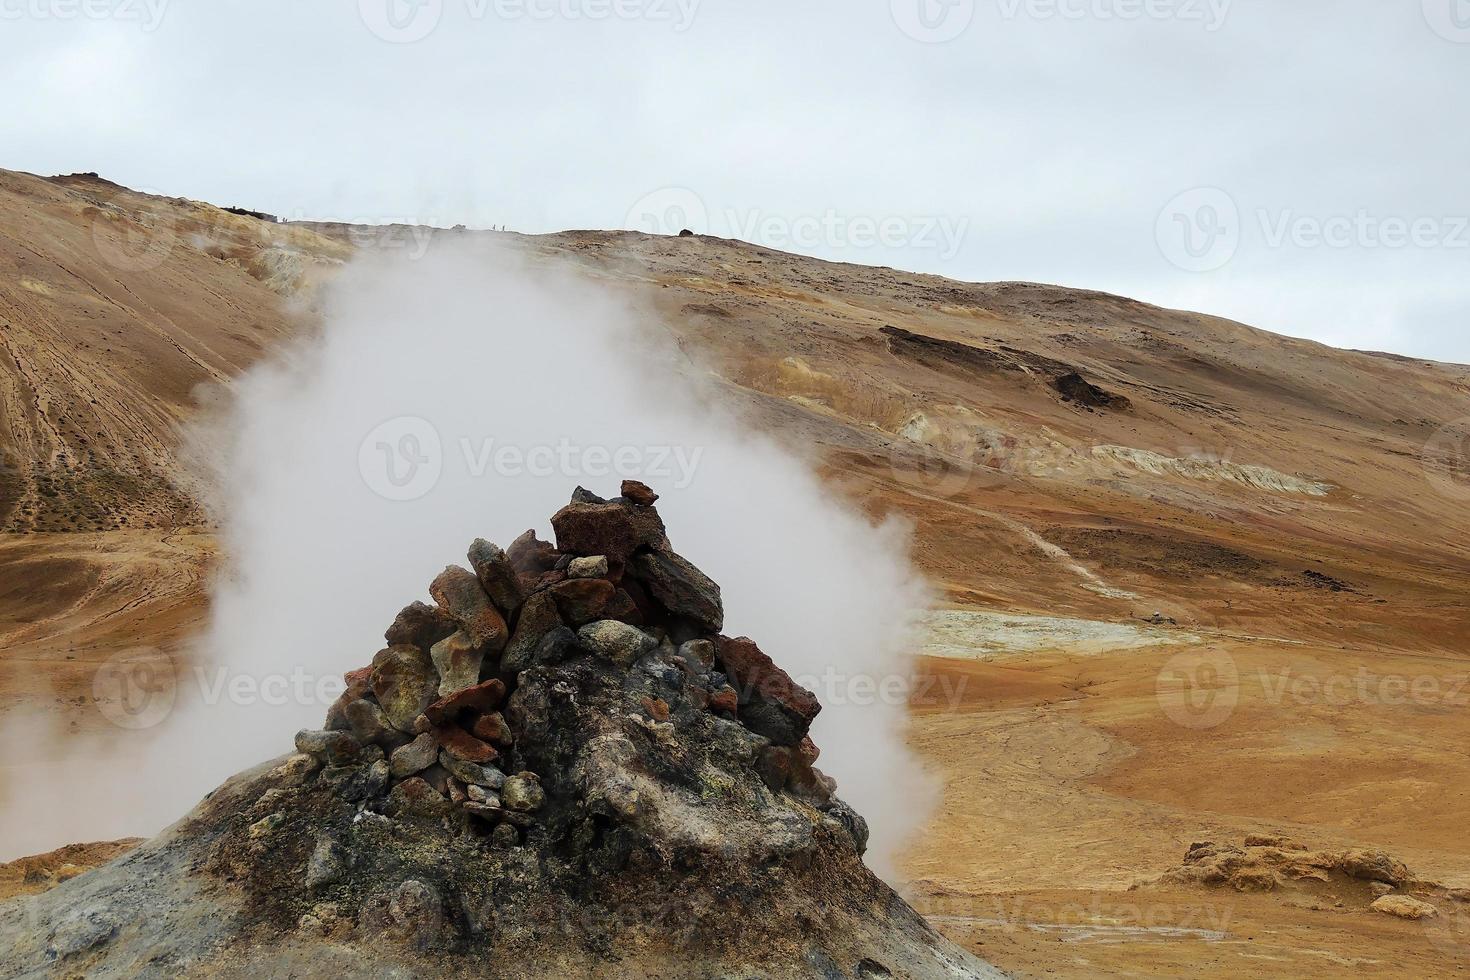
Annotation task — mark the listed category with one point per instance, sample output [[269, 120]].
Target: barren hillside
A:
[[1073, 463]]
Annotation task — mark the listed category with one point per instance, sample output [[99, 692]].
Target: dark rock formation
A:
[[1075, 388], [616, 791]]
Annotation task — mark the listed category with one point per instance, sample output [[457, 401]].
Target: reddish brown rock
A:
[[460, 744], [492, 728], [623, 608], [725, 699], [774, 766], [530, 556], [483, 697], [810, 782], [612, 529], [359, 684], [656, 708], [582, 600], [414, 797], [420, 625], [639, 493], [458, 591], [808, 750], [547, 579], [437, 776], [771, 703]]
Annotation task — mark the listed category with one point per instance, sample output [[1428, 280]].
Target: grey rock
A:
[[594, 566], [368, 722], [487, 811], [497, 575], [79, 932], [736, 742], [336, 748], [357, 782], [458, 659], [415, 798], [681, 588], [414, 757], [266, 826], [698, 653], [472, 773], [615, 641], [556, 646], [420, 625], [480, 794], [852, 822], [539, 616], [328, 864], [405, 683], [522, 793], [418, 913]]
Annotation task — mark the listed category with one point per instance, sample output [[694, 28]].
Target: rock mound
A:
[[1360, 878], [560, 768]]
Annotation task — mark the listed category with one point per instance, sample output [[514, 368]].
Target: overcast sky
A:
[[1300, 165]]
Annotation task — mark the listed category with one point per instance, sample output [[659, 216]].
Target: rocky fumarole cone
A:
[[561, 768]]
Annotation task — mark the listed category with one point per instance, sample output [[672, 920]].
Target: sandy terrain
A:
[[1268, 495]]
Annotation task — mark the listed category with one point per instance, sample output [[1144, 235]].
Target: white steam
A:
[[532, 380]]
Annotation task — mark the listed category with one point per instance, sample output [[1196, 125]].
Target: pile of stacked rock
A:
[[560, 768], [431, 730]]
